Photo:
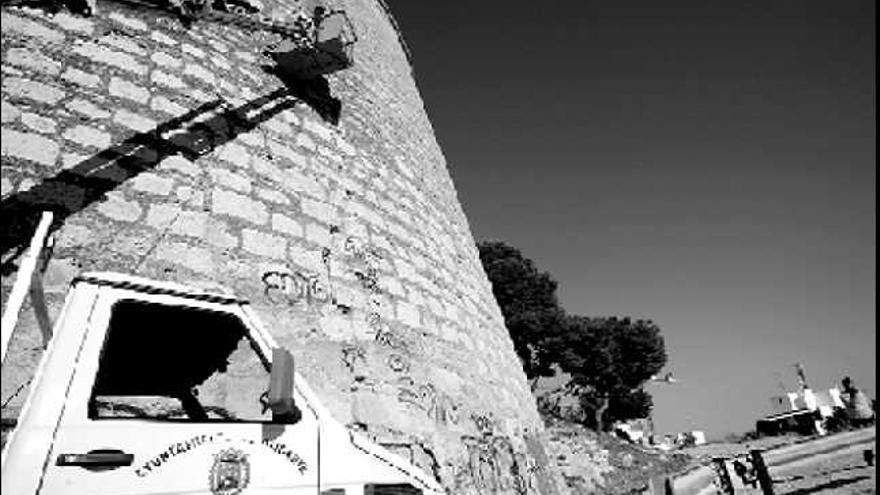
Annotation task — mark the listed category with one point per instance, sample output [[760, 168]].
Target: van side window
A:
[[178, 363]]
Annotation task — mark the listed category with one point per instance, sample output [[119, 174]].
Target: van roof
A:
[[149, 286]]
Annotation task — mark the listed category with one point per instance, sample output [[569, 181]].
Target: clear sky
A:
[[706, 165]]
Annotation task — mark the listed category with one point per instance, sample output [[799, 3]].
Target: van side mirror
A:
[[281, 401]]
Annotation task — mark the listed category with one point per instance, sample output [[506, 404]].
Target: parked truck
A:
[[151, 387]]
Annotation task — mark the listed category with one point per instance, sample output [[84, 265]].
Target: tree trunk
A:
[[599, 412]]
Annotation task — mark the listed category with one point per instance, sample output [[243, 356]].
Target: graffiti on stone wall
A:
[[436, 404], [357, 247], [368, 278], [366, 261], [398, 363], [407, 446], [351, 355], [386, 336], [493, 466], [484, 424], [295, 286]]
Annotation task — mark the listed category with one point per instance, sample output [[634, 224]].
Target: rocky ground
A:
[[602, 463]]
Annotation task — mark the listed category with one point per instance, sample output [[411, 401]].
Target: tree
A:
[[609, 360], [527, 298]]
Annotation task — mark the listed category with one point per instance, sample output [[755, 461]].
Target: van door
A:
[[168, 397]]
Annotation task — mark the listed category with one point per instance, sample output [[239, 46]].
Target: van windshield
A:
[[178, 363]]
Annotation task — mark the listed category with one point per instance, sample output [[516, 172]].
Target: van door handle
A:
[[98, 460]]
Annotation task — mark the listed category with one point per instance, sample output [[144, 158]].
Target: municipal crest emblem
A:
[[230, 473]]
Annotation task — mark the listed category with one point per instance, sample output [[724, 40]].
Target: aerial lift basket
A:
[[329, 49]]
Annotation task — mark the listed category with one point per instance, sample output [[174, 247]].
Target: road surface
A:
[[832, 465]]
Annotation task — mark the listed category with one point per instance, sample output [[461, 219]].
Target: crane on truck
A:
[[310, 46]]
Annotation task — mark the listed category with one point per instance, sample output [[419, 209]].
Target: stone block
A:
[[70, 160], [151, 183], [32, 90], [38, 123], [127, 89], [192, 50], [296, 181], [134, 121], [12, 24], [317, 209], [34, 60], [318, 129], [162, 104], [218, 234], [217, 46], [278, 125], [162, 38], [81, 78], [272, 196], [318, 234], [233, 204], [87, 108], [118, 208], [191, 223], [231, 180], [281, 150], [73, 235], [8, 112], [180, 164], [200, 73], [88, 136], [195, 258], [221, 62], [161, 216], [408, 314], [246, 56], [305, 141], [286, 225], [191, 197], [344, 146], [124, 44], [252, 138], [235, 154], [103, 55], [263, 244], [167, 80], [73, 23], [165, 60], [129, 22], [32, 147]]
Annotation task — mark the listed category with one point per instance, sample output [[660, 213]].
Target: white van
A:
[[150, 387]]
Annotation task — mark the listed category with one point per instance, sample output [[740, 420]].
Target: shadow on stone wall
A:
[[192, 135]]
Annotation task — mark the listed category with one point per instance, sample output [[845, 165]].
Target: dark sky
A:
[[708, 165]]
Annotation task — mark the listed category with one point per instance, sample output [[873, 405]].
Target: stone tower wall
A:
[[174, 154]]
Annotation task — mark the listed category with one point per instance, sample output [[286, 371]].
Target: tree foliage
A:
[[609, 360], [527, 298]]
